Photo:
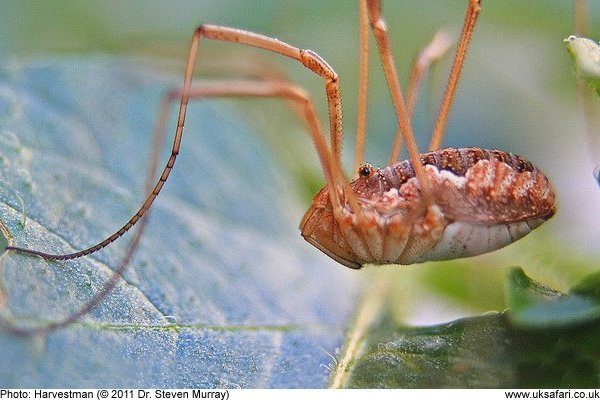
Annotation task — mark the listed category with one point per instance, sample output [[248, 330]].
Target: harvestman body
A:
[[439, 205], [484, 200]]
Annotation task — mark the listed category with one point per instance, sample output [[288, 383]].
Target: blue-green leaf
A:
[[223, 292]]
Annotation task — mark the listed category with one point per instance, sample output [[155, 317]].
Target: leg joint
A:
[[317, 64], [379, 27]]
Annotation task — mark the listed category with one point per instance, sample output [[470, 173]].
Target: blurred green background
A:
[[517, 93]]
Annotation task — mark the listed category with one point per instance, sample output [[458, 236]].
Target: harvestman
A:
[[439, 205]]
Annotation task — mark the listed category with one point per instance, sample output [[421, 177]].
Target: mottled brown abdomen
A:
[[480, 200]]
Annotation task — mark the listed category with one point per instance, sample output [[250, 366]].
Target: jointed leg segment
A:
[[363, 85], [331, 164], [459, 60], [435, 50], [385, 52], [404, 109]]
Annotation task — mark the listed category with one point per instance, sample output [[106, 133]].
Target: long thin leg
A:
[[433, 52], [363, 85], [473, 10], [271, 89], [277, 89], [385, 52], [311, 60], [158, 139], [113, 280]]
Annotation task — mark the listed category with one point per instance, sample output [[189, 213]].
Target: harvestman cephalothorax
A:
[[444, 204]]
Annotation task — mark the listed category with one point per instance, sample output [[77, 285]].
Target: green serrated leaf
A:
[[465, 353], [535, 305], [524, 291], [487, 351], [588, 287], [479, 352]]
